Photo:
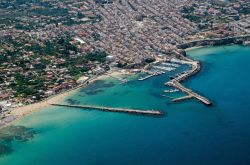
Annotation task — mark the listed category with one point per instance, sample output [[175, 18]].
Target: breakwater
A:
[[196, 66], [189, 92], [151, 75], [182, 98], [121, 110]]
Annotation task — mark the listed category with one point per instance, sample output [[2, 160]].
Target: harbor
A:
[[171, 64], [158, 68], [111, 137], [121, 110], [175, 82]]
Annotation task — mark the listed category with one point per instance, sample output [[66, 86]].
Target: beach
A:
[[19, 112], [190, 132]]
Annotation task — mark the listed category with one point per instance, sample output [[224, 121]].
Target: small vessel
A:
[[171, 91]]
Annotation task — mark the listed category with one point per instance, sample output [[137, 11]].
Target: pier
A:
[[151, 75], [181, 77], [182, 98], [164, 68], [191, 94], [171, 65], [121, 110]]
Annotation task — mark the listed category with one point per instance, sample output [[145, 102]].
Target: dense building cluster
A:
[[46, 46], [40, 54], [219, 18], [133, 31]]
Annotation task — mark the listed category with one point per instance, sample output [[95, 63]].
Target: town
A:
[[47, 47]]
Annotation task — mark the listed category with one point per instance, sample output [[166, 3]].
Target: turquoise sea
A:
[[190, 133]]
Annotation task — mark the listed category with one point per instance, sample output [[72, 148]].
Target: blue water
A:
[[189, 134]]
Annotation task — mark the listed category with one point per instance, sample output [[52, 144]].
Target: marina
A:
[[191, 133], [164, 68]]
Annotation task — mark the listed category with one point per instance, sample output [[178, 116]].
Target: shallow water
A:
[[190, 133]]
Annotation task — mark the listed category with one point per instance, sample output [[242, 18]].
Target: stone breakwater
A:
[[121, 110], [196, 66]]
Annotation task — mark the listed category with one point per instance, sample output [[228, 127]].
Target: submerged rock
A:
[[12, 133]]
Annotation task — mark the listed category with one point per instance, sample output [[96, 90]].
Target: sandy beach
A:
[[17, 113]]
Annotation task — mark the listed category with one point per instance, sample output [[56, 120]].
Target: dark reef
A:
[[14, 133]]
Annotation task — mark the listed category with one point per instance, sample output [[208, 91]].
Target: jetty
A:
[[167, 97], [182, 98], [121, 110], [151, 75], [191, 94], [181, 77], [171, 64]]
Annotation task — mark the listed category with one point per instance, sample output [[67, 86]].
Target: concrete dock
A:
[[164, 68], [182, 98], [151, 75], [190, 94], [121, 110]]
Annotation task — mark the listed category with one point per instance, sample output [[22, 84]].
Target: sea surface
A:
[[189, 134]]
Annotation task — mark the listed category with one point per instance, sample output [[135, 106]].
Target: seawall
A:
[[215, 42]]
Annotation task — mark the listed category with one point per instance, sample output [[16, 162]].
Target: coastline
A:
[[215, 42], [196, 65], [75, 130], [19, 112]]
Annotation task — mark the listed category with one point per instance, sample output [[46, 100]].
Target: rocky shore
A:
[[215, 42]]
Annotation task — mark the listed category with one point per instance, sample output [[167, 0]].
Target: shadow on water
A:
[[97, 87], [14, 133], [133, 83], [94, 92], [155, 94], [72, 101], [122, 93]]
